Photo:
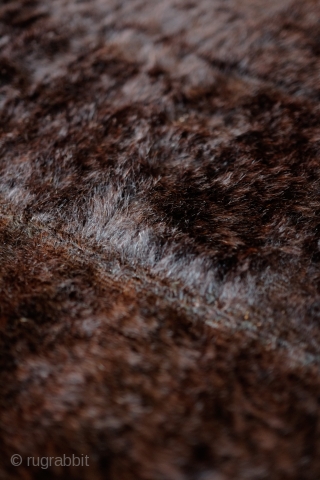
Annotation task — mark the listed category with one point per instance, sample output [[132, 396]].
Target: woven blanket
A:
[[160, 239]]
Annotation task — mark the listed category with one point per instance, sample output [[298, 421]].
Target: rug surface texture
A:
[[160, 239]]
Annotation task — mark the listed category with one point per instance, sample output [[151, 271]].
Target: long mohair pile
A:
[[160, 239]]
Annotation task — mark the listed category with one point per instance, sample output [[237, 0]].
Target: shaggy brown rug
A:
[[160, 239]]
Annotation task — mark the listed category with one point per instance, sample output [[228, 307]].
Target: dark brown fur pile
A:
[[160, 238]]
